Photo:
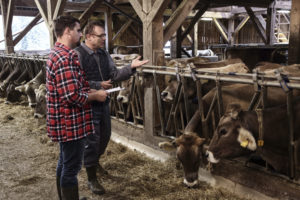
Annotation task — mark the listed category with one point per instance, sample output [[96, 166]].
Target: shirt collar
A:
[[90, 51]]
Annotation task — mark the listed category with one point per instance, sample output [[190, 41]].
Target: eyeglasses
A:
[[100, 36]]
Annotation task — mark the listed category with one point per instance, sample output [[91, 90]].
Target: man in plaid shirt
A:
[[69, 116]]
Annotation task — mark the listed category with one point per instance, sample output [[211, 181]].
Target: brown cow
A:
[[238, 132], [231, 65], [236, 93]]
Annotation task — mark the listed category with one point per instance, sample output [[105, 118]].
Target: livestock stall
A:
[[149, 120]]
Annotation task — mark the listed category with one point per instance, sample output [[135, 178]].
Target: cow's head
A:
[[12, 94], [234, 135], [28, 89], [189, 151], [40, 109], [123, 95]]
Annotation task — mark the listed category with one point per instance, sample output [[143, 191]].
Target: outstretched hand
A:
[[137, 62]]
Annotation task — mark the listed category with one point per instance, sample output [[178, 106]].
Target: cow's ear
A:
[[200, 141], [246, 139], [233, 110], [168, 146]]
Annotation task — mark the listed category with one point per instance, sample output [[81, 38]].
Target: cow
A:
[[253, 55], [40, 108], [237, 134], [235, 65], [189, 151], [235, 93], [30, 87]]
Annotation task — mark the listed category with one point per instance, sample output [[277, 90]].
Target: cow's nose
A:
[[119, 99], [206, 154], [164, 94]]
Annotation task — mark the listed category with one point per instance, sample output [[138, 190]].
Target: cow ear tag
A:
[[245, 143]]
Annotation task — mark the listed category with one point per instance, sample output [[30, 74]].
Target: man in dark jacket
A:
[[101, 72]]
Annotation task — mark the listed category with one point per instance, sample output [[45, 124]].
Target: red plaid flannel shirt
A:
[[69, 116]]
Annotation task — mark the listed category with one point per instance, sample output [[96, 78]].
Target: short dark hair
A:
[[63, 22], [89, 28]]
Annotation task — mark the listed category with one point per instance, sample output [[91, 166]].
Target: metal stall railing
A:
[[260, 82]]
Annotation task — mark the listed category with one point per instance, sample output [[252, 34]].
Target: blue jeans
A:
[[70, 162]]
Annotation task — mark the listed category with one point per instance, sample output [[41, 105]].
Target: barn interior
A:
[[254, 31]]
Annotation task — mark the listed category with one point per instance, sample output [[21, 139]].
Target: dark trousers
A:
[[97, 143], [70, 162]]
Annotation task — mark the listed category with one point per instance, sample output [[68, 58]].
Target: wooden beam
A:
[[177, 18], [42, 8], [10, 10], [89, 11], [195, 41], [27, 29], [294, 43], [109, 31], [270, 26], [221, 29], [257, 24], [50, 9], [188, 35], [231, 31], [139, 36], [198, 15], [5, 6], [241, 24], [59, 8], [122, 29], [138, 8]]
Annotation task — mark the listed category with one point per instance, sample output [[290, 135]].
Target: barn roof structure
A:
[[160, 19]]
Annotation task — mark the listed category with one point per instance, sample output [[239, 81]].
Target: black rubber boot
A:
[[70, 193], [93, 183], [58, 187], [101, 170]]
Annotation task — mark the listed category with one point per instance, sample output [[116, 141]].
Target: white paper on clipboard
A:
[[116, 89]]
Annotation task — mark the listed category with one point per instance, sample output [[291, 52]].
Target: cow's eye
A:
[[222, 131]]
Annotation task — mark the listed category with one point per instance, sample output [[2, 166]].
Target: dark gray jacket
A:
[[99, 66]]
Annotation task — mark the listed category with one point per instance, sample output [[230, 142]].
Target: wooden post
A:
[[151, 14], [271, 15], [174, 40], [231, 31], [50, 10], [7, 15], [195, 41], [294, 43], [109, 31]]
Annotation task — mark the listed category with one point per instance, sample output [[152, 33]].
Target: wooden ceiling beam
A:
[[221, 28], [257, 22], [241, 25], [138, 8], [41, 5], [89, 11], [10, 10], [27, 29], [177, 18], [198, 15], [123, 29], [59, 8]]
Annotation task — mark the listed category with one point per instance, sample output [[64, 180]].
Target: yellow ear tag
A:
[[245, 143]]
